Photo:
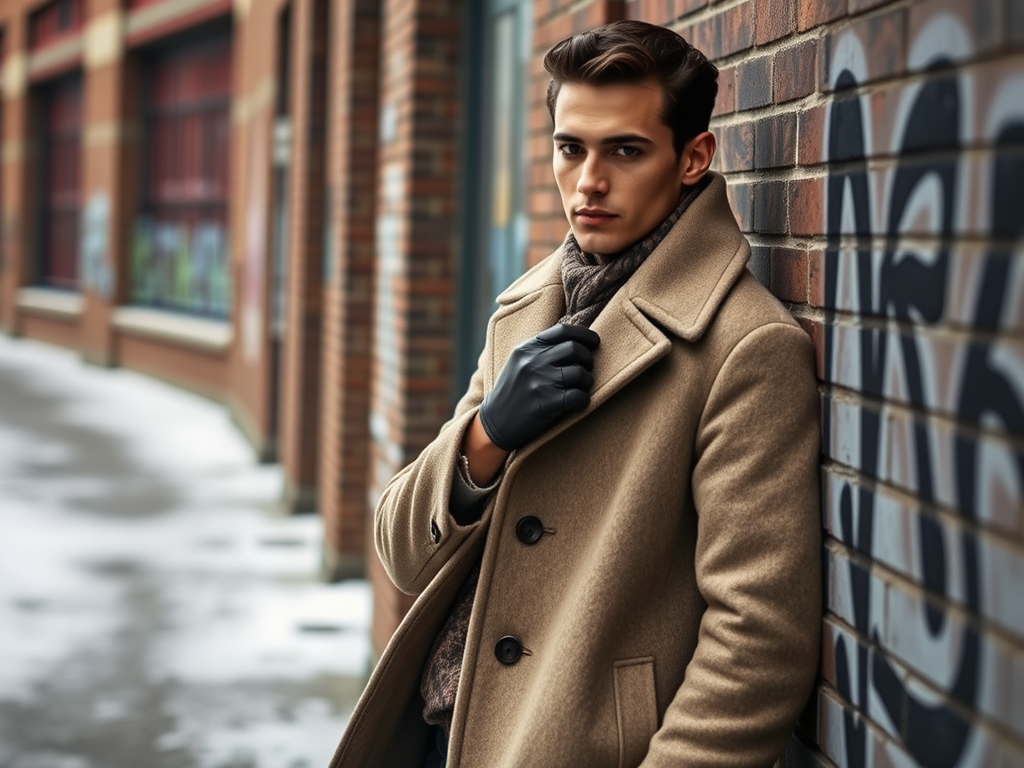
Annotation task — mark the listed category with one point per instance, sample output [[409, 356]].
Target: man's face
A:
[[614, 163]]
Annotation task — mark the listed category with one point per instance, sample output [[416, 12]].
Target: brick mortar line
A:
[[568, 10], [947, 515], [849, 242], [821, 243], [964, 712], [845, 394], [909, 76], [805, 742], [819, 97], [825, 688], [938, 511], [982, 624], [875, 163], [875, 322], [794, 37]]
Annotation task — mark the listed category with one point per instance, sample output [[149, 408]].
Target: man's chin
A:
[[599, 246]]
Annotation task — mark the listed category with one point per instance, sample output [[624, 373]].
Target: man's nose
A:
[[593, 180]]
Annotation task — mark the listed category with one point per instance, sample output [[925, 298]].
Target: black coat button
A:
[[529, 529], [508, 650]]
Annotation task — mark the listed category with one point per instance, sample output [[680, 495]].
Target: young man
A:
[[616, 537]]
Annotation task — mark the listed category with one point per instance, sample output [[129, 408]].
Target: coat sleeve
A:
[[413, 531], [758, 560]]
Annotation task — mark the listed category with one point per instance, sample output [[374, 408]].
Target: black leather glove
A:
[[543, 379]]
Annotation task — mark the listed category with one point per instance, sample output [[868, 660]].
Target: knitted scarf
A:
[[589, 285]]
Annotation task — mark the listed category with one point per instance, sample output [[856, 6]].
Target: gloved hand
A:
[[543, 379]]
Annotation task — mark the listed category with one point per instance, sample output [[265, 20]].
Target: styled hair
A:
[[635, 51]]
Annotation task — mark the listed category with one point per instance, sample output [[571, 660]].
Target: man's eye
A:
[[627, 151], [570, 149]]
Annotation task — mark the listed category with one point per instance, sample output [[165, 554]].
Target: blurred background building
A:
[[304, 208]]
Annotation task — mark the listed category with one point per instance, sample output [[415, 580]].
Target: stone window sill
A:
[[49, 301], [196, 332]]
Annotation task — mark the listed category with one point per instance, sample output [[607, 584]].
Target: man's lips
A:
[[594, 216]]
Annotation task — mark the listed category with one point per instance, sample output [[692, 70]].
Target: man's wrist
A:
[[483, 459]]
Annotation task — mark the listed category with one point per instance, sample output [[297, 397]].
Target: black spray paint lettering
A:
[[910, 288]]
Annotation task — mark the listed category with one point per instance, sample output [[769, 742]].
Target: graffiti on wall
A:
[[929, 240], [181, 267], [95, 270], [252, 280]]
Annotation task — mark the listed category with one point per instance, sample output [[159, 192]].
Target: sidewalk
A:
[[155, 611]]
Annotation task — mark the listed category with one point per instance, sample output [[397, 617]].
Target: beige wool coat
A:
[[669, 615]]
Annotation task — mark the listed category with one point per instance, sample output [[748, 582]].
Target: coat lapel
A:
[[675, 292]]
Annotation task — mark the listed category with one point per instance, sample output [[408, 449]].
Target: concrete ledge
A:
[[298, 499], [49, 301], [339, 566], [59, 55], [196, 332]]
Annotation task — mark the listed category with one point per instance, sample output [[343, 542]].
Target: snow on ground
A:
[[145, 575]]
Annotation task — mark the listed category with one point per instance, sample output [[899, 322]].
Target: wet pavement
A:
[[156, 610]]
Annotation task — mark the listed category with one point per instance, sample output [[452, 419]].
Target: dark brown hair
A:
[[635, 51]]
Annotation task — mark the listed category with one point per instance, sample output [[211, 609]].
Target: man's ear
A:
[[697, 156]]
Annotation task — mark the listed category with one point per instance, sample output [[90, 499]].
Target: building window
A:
[[497, 224], [180, 248], [56, 21], [61, 192]]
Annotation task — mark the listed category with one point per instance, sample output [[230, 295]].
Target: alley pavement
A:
[[156, 608]]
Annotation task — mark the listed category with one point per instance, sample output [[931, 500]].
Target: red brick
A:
[[813, 13], [789, 274], [736, 147], [816, 331], [980, 21], [816, 277], [741, 199], [654, 11], [686, 7], [810, 142], [773, 19], [794, 72], [807, 206], [723, 33], [754, 83], [775, 141], [770, 208], [884, 40], [737, 30], [726, 101]]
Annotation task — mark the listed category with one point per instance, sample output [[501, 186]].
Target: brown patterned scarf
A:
[[588, 287]]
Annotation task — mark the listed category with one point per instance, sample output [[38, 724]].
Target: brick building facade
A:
[[304, 208]]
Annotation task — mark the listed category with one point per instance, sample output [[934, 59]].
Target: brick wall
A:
[[299, 403], [875, 156], [251, 364], [416, 246], [348, 284], [16, 180]]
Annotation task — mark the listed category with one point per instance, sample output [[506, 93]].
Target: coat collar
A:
[[676, 291], [680, 285]]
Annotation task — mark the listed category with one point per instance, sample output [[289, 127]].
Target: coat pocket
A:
[[636, 709]]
